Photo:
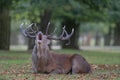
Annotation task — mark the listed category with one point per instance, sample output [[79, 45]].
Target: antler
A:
[[29, 31], [47, 28], [61, 37]]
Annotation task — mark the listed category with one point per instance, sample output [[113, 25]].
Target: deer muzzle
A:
[[39, 37]]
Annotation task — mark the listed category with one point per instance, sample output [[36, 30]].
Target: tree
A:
[[5, 24], [117, 34], [108, 36], [114, 16]]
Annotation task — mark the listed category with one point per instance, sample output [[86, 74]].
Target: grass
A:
[[17, 65]]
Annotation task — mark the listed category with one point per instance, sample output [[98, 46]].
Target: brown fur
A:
[[62, 64]]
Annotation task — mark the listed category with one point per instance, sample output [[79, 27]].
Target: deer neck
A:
[[43, 52], [43, 57]]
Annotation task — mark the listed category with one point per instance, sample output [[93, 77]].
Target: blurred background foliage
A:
[[96, 22]]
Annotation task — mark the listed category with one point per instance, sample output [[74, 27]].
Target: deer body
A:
[[45, 61], [60, 63]]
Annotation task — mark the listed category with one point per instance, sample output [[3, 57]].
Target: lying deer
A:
[[49, 62]]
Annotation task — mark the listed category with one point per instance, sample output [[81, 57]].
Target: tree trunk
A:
[[4, 29], [44, 20], [75, 37], [97, 39], [117, 35], [107, 37], [31, 43], [42, 27]]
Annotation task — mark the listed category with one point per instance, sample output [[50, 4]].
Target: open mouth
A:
[[40, 36]]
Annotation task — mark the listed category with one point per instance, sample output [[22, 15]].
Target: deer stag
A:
[[45, 61]]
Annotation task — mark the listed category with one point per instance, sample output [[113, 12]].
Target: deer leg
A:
[[80, 65], [75, 67], [56, 72], [34, 60]]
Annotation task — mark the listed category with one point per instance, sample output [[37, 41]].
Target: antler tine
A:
[[26, 32], [65, 31], [68, 36], [23, 31], [29, 35], [62, 35], [47, 28], [62, 32], [53, 32], [32, 29], [36, 27], [68, 42]]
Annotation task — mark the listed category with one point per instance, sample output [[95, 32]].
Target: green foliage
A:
[[16, 23], [92, 10], [94, 28], [74, 9], [32, 9], [114, 10]]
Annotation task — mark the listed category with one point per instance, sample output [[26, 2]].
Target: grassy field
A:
[[16, 65]]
